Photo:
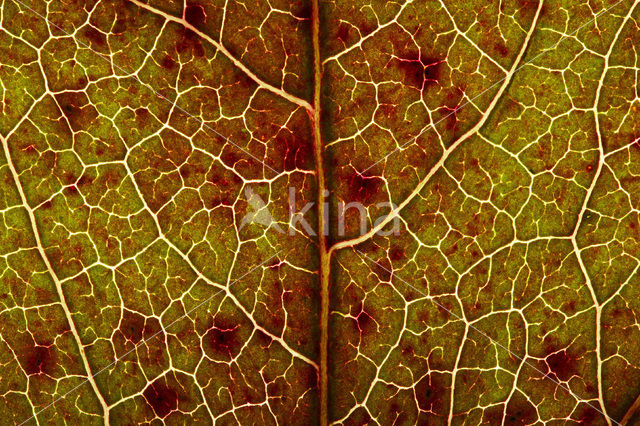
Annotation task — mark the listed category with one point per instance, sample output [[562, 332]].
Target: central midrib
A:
[[325, 257]]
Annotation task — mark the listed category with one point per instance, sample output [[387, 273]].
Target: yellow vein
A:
[[148, 86], [505, 82], [218, 45], [500, 345], [56, 280], [585, 203]]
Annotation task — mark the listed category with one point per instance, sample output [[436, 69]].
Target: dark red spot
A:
[[364, 188], [407, 349], [161, 398], [230, 158], [189, 42], [618, 312], [520, 411], [85, 180], [502, 49], [589, 416], [223, 340], [168, 63], [194, 14], [432, 68], [46, 205], [142, 114], [397, 413], [562, 365], [132, 326], [95, 37], [396, 253], [75, 106], [37, 359], [185, 172], [343, 32], [120, 26], [72, 190], [277, 321], [413, 72], [71, 178], [366, 324], [429, 392], [419, 72]]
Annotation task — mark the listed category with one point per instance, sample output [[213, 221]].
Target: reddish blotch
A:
[[161, 398], [36, 359], [195, 15], [223, 340]]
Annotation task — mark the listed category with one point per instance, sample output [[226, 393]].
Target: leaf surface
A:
[[485, 270]]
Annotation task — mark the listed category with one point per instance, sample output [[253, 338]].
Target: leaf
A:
[[420, 212]]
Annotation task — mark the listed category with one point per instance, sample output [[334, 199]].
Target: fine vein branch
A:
[[218, 45]]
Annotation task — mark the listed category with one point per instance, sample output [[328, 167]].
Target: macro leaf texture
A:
[[314, 212]]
